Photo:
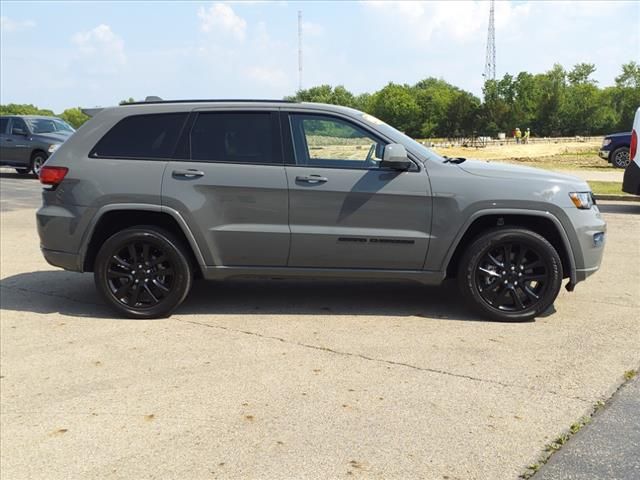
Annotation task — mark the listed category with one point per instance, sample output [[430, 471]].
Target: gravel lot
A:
[[296, 379]]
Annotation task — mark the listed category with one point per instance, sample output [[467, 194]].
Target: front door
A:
[[345, 211], [232, 189]]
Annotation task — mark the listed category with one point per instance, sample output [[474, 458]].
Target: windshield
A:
[[48, 125], [407, 141]]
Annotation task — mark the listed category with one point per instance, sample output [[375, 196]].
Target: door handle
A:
[[188, 173], [312, 179], [9, 140]]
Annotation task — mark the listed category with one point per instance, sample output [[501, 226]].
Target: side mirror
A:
[[395, 157], [18, 131]]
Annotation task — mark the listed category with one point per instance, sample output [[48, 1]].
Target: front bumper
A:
[[590, 231], [604, 154]]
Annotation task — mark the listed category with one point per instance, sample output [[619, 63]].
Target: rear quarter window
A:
[[142, 136]]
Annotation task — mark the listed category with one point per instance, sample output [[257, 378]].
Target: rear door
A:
[[17, 146], [345, 210], [230, 186]]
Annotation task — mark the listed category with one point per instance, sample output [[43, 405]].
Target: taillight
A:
[[634, 145], [52, 175]]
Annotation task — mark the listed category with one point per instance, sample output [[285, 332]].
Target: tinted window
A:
[[242, 137], [4, 124], [142, 136], [331, 142], [19, 123]]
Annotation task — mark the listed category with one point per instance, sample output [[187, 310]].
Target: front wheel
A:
[[143, 272], [620, 158], [510, 274]]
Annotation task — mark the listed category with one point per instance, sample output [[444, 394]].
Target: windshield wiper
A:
[[455, 160]]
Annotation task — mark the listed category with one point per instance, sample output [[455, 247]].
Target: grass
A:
[[606, 188]]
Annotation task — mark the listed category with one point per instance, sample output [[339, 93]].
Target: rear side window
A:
[[236, 137], [142, 136], [4, 124]]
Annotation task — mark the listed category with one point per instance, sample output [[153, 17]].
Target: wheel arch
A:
[[543, 223], [113, 218]]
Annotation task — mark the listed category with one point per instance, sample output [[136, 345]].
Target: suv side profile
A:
[[26, 141], [150, 195]]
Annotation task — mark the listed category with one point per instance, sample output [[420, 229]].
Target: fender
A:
[[144, 207], [518, 211]]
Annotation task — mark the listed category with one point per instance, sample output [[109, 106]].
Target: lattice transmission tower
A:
[[490, 61], [299, 50]]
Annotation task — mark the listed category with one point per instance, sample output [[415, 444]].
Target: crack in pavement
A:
[[381, 360]]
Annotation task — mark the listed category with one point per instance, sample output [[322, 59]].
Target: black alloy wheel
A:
[[140, 274], [510, 274], [143, 272]]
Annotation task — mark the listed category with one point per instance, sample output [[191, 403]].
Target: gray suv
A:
[[27, 140], [152, 194]]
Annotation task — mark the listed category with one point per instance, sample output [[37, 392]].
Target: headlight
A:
[[582, 200], [606, 142], [53, 148]]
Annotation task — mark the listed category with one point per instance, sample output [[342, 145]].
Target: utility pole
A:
[[490, 60], [299, 50]]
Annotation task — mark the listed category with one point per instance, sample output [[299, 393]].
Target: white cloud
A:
[[220, 16], [100, 50], [312, 29], [10, 25], [269, 76], [460, 21]]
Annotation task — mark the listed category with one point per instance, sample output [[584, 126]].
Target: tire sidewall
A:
[[615, 154], [478, 248], [34, 168], [172, 248]]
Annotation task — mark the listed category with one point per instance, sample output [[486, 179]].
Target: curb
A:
[[622, 198]]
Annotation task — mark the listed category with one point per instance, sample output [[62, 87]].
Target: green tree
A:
[[74, 117], [396, 105]]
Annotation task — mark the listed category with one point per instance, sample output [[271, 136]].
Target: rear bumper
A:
[[68, 261], [631, 181]]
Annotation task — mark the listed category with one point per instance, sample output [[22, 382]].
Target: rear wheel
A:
[[510, 274], [620, 157], [143, 272]]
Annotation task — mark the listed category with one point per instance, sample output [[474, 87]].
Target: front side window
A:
[[235, 137], [48, 125], [4, 124], [331, 142], [142, 136], [18, 123]]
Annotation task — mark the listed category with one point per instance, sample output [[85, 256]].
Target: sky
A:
[[59, 55]]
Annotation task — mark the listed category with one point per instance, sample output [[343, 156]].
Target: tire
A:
[[23, 171], [620, 157], [37, 160], [515, 290], [143, 292]]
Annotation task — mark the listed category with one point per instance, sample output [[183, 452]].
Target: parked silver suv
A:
[[149, 195]]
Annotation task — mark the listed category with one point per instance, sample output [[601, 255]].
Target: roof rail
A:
[[150, 100]]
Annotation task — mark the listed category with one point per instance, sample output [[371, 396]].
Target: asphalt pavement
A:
[[608, 448]]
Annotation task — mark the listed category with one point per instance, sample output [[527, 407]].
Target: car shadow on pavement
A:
[[9, 174], [632, 208], [74, 294]]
